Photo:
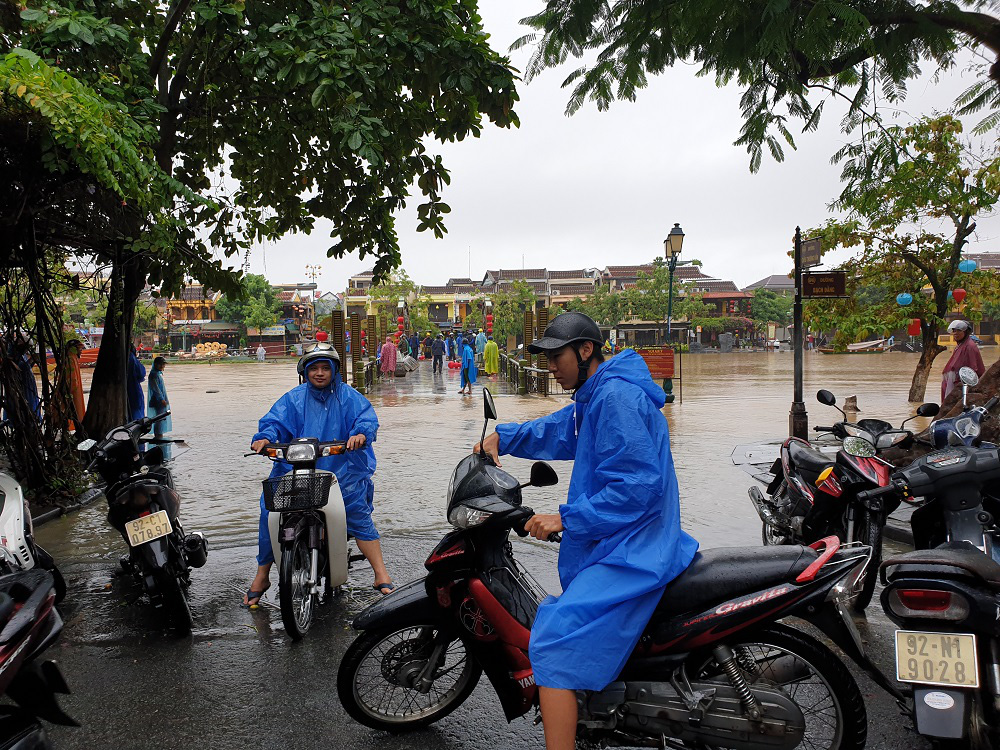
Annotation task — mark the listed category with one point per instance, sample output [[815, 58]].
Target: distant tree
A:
[[508, 310], [784, 54], [769, 307], [912, 197], [607, 308], [256, 307]]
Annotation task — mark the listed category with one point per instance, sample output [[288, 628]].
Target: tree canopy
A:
[[256, 306], [789, 56]]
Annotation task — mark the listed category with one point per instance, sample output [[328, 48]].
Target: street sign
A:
[[659, 361], [811, 252], [824, 284]]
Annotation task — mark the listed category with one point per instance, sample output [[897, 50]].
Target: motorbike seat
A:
[[950, 560], [807, 459], [717, 575]]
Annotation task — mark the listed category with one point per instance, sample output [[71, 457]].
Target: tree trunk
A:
[[918, 388], [108, 404]]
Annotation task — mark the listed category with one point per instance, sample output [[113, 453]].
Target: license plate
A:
[[937, 658], [147, 528]]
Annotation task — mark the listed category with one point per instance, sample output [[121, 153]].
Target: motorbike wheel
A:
[[770, 536], [867, 530], [375, 677], [810, 675], [298, 604], [175, 601]]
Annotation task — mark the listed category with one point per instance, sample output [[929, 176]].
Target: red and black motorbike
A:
[[812, 494], [712, 668], [29, 624]]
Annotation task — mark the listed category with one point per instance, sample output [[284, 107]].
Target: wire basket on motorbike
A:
[[297, 491]]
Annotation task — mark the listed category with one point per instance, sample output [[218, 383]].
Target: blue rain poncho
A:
[[334, 413], [469, 373], [136, 373], [158, 402], [622, 541], [480, 342]]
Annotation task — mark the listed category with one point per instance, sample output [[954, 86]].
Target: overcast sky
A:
[[604, 188]]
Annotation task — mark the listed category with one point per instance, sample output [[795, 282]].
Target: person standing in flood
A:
[[437, 349], [158, 402], [135, 374], [468, 367], [491, 357], [388, 358], [966, 354], [261, 353]]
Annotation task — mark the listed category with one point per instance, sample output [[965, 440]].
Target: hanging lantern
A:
[[959, 295], [967, 266], [364, 334], [914, 328], [904, 299], [321, 336], [399, 327], [399, 319], [489, 318]]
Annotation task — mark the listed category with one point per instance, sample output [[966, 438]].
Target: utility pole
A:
[[798, 420]]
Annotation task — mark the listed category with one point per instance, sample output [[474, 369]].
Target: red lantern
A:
[[489, 318], [321, 336], [399, 319], [364, 335], [400, 328], [959, 295], [914, 328]]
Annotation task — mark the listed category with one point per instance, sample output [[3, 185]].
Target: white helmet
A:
[[958, 325], [313, 352]]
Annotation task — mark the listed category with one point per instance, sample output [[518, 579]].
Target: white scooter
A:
[[308, 526], [18, 550]]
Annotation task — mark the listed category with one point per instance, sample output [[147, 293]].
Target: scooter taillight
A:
[[929, 604]]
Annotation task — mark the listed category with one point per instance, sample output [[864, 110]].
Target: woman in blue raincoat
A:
[[469, 373], [622, 541], [327, 409], [158, 402]]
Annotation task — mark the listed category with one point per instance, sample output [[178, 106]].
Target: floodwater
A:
[[239, 682]]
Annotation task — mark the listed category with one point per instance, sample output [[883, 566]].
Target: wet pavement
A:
[[239, 681]]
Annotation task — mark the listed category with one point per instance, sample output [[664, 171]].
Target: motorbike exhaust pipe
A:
[[765, 511]]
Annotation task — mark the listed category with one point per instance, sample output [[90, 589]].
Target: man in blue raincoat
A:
[[469, 373], [327, 409], [622, 542], [133, 385]]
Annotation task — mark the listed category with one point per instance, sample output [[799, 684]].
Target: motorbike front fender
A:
[[409, 604]]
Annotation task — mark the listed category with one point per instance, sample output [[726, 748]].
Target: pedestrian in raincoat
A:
[[468, 367], [261, 353], [136, 373], [437, 350], [966, 354], [491, 357], [458, 351], [480, 343], [414, 345], [73, 383], [327, 409], [158, 402], [621, 537], [388, 358]]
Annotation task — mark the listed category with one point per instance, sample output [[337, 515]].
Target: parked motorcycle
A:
[[144, 507], [964, 428], [944, 595], [29, 624], [713, 667], [812, 494], [18, 548], [308, 526]]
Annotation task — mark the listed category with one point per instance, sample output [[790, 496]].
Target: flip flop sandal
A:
[[380, 586], [253, 595]]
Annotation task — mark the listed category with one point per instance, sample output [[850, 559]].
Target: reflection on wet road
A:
[[239, 682]]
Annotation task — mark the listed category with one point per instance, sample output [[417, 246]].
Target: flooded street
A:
[[239, 681]]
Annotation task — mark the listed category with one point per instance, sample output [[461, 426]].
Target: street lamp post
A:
[[672, 249]]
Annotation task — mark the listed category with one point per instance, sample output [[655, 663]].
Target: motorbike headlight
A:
[[301, 452], [464, 517], [853, 430]]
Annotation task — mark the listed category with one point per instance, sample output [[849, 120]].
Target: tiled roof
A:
[[775, 281], [627, 272], [285, 296], [690, 272], [538, 287], [461, 282], [196, 292], [438, 289], [580, 274], [571, 289], [985, 260], [727, 295], [715, 285], [522, 273]]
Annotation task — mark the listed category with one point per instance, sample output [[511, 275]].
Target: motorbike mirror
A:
[[826, 398], [928, 410], [543, 475], [489, 407], [859, 447], [968, 376]]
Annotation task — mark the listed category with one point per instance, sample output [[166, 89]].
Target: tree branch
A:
[[173, 20]]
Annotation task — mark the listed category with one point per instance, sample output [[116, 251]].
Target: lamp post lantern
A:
[[672, 250]]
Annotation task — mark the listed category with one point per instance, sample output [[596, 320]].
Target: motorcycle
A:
[[29, 624], [18, 548], [964, 428], [712, 668], [308, 531], [144, 507], [944, 596], [812, 495]]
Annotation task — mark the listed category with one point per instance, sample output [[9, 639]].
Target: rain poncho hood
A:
[[333, 413], [622, 540]]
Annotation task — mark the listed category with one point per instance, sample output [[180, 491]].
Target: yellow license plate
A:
[[147, 528], [936, 658]]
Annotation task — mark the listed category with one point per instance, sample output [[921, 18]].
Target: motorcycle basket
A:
[[297, 492]]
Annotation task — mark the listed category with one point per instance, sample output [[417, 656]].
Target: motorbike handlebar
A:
[[866, 495], [817, 428], [524, 515], [991, 403]]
